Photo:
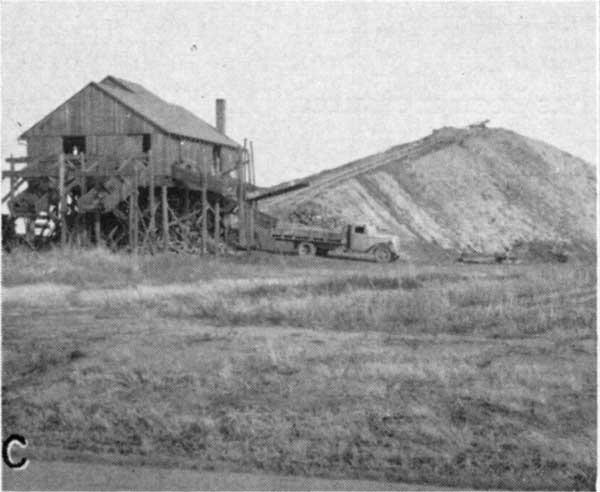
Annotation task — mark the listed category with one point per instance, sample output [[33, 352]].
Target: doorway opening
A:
[[74, 144]]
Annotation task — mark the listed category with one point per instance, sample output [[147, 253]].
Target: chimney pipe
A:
[[220, 110]]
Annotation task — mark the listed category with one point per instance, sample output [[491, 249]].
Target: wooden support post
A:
[[12, 190], [62, 200], [81, 223], [136, 218], [204, 208], [131, 213], [252, 168], [165, 217], [217, 224], [241, 209], [151, 199], [251, 225]]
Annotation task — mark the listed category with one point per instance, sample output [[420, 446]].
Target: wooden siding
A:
[[110, 128], [90, 112], [229, 158], [168, 149], [44, 146], [114, 144]]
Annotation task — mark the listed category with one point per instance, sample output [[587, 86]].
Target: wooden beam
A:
[[11, 192], [62, 204], [130, 216], [18, 160], [204, 208], [136, 218], [151, 200], [165, 218], [251, 226], [14, 188], [217, 230], [252, 169], [81, 225], [241, 210]]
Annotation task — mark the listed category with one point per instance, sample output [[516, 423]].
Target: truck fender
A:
[[387, 245]]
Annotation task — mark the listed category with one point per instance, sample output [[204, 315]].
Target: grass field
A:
[[473, 376]]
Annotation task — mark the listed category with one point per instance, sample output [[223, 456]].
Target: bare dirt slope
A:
[[457, 189]]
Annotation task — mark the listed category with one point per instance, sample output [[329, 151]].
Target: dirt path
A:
[[60, 475]]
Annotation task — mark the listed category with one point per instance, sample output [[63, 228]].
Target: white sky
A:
[[317, 85]]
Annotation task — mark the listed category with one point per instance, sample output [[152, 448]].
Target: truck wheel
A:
[[306, 249], [382, 254]]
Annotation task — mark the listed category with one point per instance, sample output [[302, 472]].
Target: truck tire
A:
[[306, 249], [382, 254]]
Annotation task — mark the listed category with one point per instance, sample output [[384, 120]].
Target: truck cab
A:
[[363, 238]]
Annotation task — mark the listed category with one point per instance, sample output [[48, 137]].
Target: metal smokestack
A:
[[220, 110]]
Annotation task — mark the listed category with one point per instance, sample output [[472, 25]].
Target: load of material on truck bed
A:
[[316, 235]]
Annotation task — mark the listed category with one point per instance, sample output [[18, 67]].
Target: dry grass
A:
[[475, 377]]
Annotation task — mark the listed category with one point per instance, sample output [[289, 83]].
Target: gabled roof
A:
[[170, 118]]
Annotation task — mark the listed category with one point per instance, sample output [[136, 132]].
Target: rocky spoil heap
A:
[[459, 189]]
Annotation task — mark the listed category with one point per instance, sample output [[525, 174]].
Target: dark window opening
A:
[[146, 142], [217, 165], [359, 229], [74, 144]]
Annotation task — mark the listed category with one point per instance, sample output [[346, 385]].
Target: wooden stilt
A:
[[136, 219], [131, 215], [165, 218], [251, 225], [204, 209], [217, 224], [81, 223], [151, 200], [252, 168], [11, 192], [62, 204], [241, 211]]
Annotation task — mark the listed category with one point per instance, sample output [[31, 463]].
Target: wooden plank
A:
[[152, 200], [165, 217], [19, 182], [241, 215], [204, 208], [130, 216], [19, 160], [252, 171], [136, 218], [81, 216], [217, 230], [11, 192]]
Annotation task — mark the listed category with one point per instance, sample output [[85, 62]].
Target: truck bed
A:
[[315, 235]]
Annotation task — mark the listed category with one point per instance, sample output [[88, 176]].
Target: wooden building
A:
[[117, 164], [121, 118]]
